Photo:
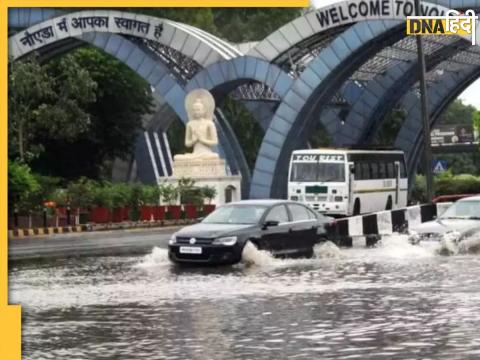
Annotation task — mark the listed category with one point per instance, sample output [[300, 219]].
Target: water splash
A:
[[449, 244], [395, 246], [470, 244], [327, 250], [158, 257], [252, 256]]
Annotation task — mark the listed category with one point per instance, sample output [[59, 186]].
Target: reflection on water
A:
[[396, 301]]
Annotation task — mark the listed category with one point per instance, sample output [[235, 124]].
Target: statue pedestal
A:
[[193, 168], [208, 172]]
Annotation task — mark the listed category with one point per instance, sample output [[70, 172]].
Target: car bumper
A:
[[210, 254]]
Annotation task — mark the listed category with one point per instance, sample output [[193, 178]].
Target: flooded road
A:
[[396, 301]]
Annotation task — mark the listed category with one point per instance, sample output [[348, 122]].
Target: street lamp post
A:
[[425, 118]]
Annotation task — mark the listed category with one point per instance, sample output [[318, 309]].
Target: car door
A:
[[274, 238], [303, 227]]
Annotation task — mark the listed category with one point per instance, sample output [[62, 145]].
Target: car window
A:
[[278, 213], [312, 214], [236, 214], [299, 212]]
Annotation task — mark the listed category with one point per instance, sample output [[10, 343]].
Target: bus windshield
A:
[[318, 172]]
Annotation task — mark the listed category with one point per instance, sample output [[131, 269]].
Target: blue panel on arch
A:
[[113, 44], [320, 68], [294, 101], [311, 77], [165, 84], [274, 138], [125, 50], [363, 31], [329, 58], [272, 76], [282, 86], [203, 80], [215, 75], [155, 76], [352, 40], [302, 89], [285, 115], [250, 67], [101, 39], [261, 71], [147, 67], [340, 48], [281, 125], [135, 59], [239, 65]]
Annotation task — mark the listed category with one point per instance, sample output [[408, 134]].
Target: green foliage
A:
[[457, 113], [136, 194], [151, 194], [169, 193], [387, 133], [446, 184], [22, 185], [209, 193], [103, 195], [113, 120], [46, 102], [81, 193], [121, 194]]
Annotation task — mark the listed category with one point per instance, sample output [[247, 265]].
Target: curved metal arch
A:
[[224, 76], [314, 24], [383, 92], [441, 95], [308, 93], [189, 41]]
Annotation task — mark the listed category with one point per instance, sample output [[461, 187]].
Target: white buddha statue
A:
[[200, 133]]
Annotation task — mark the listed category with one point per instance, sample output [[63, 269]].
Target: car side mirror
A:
[[270, 223]]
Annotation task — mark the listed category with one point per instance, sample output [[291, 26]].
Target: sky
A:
[[470, 96]]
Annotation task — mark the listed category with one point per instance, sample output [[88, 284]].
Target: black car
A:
[[285, 228]]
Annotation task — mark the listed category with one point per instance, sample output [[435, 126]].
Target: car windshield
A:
[[236, 214], [469, 209], [318, 172]]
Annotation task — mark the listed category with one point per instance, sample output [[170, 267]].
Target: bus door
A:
[[397, 182], [351, 180]]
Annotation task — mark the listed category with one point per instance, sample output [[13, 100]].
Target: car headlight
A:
[[172, 240], [227, 240]]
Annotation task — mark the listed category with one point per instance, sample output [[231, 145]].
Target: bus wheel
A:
[[356, 207], [389, 203]]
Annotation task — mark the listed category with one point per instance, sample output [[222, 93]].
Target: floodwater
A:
[[395, 301]]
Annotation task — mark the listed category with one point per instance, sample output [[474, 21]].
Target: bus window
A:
[[358, 171], [391, 171], [373, 171], [365, 171], [382, 170]]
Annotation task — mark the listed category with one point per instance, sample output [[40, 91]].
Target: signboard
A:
[[439, 166], [453, 134], [318, 157]]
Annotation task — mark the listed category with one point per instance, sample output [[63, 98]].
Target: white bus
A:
[[346, 182]]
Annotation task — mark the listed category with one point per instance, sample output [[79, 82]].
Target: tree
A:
[[123, 98], [46, 102], [457, 113], [21, 184]]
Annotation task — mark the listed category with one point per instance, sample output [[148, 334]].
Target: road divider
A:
[[373, 226], [42, 232]]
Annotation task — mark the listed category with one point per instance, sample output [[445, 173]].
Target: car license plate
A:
[[190, 250]]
